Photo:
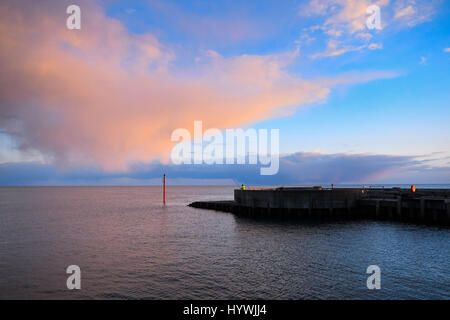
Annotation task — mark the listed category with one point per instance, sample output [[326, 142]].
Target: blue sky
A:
[[386, 105]]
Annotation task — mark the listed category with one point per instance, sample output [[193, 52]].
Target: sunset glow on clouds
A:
[[108, 93], [109, 97]]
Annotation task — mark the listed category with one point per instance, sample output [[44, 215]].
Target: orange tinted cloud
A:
[[107, 96]]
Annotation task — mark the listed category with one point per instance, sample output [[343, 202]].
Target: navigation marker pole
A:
[[164, 189]]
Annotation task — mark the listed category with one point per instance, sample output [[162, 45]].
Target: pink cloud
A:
[[347, 16], [106, 96]]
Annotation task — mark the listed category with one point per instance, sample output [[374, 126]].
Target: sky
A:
[[97, 106]]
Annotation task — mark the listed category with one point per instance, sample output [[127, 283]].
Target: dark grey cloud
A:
[[295, 169]]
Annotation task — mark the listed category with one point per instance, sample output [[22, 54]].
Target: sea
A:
[[128, 245]]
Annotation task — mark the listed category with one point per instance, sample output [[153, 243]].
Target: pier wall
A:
[[424, 206], [298, 198]]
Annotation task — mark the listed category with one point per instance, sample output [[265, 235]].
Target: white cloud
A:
[[411, 12], [375, 46], [345, 20], [335, 48], [404, 12]]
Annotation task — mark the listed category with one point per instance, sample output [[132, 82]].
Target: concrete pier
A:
[[423, 206]]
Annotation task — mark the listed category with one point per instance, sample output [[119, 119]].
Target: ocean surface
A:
[[129, 246]]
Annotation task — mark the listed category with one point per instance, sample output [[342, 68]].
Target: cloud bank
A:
[[303, 168]]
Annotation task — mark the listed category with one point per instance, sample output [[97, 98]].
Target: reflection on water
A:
[[129, 246]]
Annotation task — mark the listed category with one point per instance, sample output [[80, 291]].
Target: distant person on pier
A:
[[242, 187]]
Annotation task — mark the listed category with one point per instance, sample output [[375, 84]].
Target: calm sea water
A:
[[129, 246]]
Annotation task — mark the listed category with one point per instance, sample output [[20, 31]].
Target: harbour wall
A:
[[423, 206]]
